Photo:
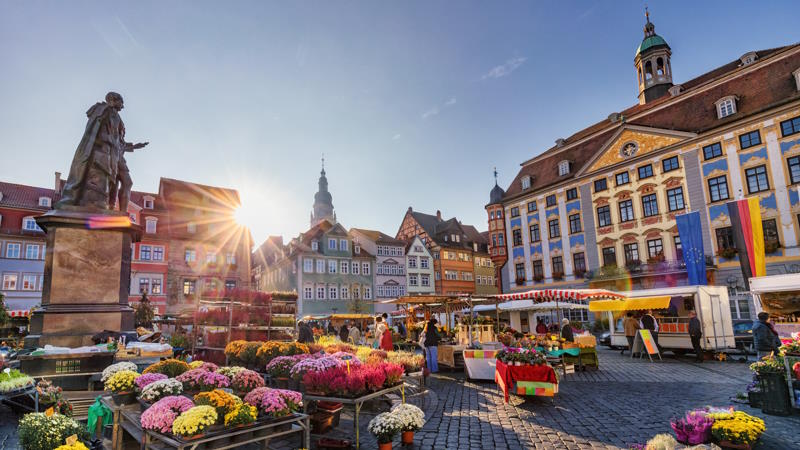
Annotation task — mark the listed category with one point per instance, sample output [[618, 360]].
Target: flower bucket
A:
[[407, 437], [385, 446], [728, 444], [124, 398], [755, 399], [775, 393]]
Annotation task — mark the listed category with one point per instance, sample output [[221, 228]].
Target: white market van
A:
[[713, 311]]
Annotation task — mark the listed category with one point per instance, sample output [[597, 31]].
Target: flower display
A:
[[230, 371], [280, 366], [114, 368], [274, 404], [410, 361], [149, 378], [385, 426], [694, 428], [202, 380], [161, 415], [12, 380], [160, 389], [293, 399], [768, 364], [48, 392], [412, 417], [169, 367], [254, 397], [209, 366], [521, 355], [194, 421], [246, 380], [76, 446], [394, 372], [736, 427], [791, 346], [242, 414], [313, 365], [121, 381], [37, 431], [345, 356], [353, 381], [222, 401]]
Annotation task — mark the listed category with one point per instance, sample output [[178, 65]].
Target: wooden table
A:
[[356, 403]]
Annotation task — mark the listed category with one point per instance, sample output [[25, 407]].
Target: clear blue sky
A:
[[413, 103]]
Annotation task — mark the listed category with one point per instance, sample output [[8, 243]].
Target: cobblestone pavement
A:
[[626, 401]]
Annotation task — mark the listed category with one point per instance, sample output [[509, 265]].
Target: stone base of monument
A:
[[86, 278]]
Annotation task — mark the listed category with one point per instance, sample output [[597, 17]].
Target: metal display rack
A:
[[28, 391]]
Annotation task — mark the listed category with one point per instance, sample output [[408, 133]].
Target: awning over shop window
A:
[[19, 313], [631, 304]]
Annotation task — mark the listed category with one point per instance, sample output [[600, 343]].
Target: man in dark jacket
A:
[[649, 322], [695, 333], [304, 333], [765, 338]]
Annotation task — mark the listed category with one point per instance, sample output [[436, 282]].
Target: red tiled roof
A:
[[27, 197], [768, 85]]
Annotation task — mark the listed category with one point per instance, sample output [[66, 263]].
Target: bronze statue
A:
[[99, 162]]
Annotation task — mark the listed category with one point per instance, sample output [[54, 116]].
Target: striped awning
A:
[[545, 295], [630, 304], [19, 313]]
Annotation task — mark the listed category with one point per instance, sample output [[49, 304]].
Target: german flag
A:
[[748, 235]]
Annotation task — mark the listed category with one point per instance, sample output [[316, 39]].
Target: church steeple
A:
[[323, 203]]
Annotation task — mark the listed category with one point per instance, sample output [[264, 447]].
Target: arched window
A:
[[660, 66], [648, 70]]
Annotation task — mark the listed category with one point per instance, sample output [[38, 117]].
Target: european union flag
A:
[[691, 233]]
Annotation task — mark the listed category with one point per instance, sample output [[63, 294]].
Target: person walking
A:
[[765, 338], [380, 327], [630, 325], [354, 336], [649, 322], [431, 345], [695, 334], [566, 330], [401, 329]]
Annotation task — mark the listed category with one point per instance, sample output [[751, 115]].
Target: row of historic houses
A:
[[599, 207]]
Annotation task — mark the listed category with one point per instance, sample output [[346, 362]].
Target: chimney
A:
[[58, 182], [438, 215], [409, 209]]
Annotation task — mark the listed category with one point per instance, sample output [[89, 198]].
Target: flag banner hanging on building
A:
[[748, 236], [691, 233]]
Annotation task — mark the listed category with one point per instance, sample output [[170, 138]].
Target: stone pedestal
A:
[[86, 278]]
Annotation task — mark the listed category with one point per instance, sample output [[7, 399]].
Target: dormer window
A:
[[148, 202], [726, 106], [526, 182], [150, 225], [675, 90], [315, 246], [795, 74], [44, 201], [357, 249], [748, 58], [563, 168]]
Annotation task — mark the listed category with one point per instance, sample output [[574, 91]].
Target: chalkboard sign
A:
[[644, 343]]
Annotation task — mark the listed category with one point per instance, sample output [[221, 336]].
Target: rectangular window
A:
[[451, 275], [678, 248], [466, 276], [770, 228], [558, 265], [155, 287], [189, 287], [654, 248], [575, 223], [649, 205], [10, 281], [320, 292], [600, 185], [626, 211], [520, 272], [423, 261], [343, 245], [412, 262], [230, 259], [367, 293], [144, 285], [412, 279], [345, 293], [603, 216], [579, 263], [572, 193], [609, 256], [675, 199], [631, 253], [750, 139], [555, 230], [355, 268], [190, 255], [794, 169], [344, 267], [158, 253], [538, 269], [550, 200], [331, 244], [426, 279], [718, 188], [308, 293], [150, 226], [623, 178], [211, 258], [670, 164], [13, 250], [320, 266], [28, 282], [712, 151], [645, 171], [308, 265], [790, 127], [516, 235], [144, 252], [365, 269], [230, 285], [331, 266], [532, 206], [333, 292], [757, 180], [515, 211], [535, 237], [724, 238], [31, 251]]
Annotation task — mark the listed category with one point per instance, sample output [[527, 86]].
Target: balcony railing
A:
[[642, 269]]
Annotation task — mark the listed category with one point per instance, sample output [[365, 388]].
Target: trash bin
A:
[[775, 400]]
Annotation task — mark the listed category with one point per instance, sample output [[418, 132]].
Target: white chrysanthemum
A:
[[114, 368], [410, 416], [161, 388]]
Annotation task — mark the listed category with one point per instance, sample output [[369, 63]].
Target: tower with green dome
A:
[[653, 66]]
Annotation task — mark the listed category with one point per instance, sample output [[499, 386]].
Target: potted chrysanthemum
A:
[[122, 385], [384, 427], [412, 419], [192, 423]]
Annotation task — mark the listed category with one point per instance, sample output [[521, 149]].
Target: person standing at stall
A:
[[541, 328], [304, 333], [566, 330], [344, 333], [432, 345], [649, 322], [630, 325], [765, 338], [354, 336], [695, 334]]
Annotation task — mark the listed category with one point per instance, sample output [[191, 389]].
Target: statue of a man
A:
[[99, 162]]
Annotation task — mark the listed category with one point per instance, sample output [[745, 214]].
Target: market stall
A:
[[525, 373], [779, 295]]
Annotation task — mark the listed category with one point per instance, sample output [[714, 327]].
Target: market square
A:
[[632, 284]]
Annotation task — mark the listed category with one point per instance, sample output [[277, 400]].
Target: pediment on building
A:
[[630, 142]]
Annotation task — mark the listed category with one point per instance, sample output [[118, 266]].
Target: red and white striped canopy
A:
[[19, 313], [544, 295]]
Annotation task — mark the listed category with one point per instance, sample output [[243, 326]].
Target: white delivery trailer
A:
[[709, 302], [779, 295]]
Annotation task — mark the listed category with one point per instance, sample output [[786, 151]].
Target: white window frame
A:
[[308, 292], [320, 266], [148, 202], [161, 252], [412, 262], [355, 268], [796, 75], [320, 290], [333, 292], [365, 269], [10, 281], [315, 245], [413, 279], [308, 265], [28, 248], [29, 224], [526, 182], [563, 168], [148, 249], [44, 201], [331, 243], [17, 246], [343, 245], [332, 266], [191, 227], [190, 255], [345, 293], [423, 262], [344, 267], [30, 280], [726, 106], [156, 282], [425, 280], [150, 225], [367, 293]]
